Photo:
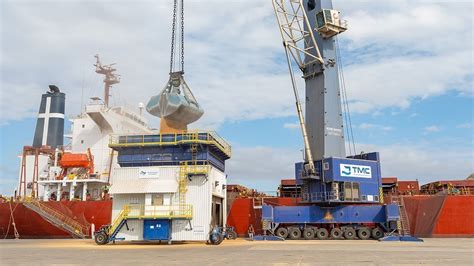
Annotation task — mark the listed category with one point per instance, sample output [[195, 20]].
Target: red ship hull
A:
[[29, 224]]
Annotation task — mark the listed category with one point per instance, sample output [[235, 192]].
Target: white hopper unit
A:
[[155, 190]]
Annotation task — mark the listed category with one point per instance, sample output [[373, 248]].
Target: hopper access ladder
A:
[[403, 225], [58, 219]]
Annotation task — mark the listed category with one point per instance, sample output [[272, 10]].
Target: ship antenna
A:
[[110, 77]]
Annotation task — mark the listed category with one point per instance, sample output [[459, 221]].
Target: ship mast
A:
[[110, 77]]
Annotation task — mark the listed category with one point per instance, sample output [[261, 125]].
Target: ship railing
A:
[[162, 211], [188, 137], [448, 191]]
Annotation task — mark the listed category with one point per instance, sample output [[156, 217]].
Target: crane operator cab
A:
[[329, 23]]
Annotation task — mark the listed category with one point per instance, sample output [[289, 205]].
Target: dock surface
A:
[[447, 251]]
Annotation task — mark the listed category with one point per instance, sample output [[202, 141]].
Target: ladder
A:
[[403, 224], [194, 150], [187, 169], [58, 219], [182, 184]]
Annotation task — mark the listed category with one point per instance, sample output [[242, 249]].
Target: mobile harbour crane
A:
[[341, 195]]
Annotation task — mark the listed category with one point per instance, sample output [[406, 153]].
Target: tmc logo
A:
[[356, 170]]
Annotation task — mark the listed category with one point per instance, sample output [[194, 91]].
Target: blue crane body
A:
[[341, 195]]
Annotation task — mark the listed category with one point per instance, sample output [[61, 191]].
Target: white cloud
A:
[[229, 66], [261, 167], [465, 125], [374, 126], [422, 161], [432, 128], [401, 52], [398, 52], [291, 125]]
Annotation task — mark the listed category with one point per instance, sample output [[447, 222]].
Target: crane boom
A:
[[308, 40], [300, 49]]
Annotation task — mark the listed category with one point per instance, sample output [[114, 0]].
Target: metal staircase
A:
[[403, 225], [118, 222], [58, 219]]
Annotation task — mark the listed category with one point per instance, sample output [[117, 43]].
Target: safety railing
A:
[[133, 211], [331, 196], [116, 223], [195, 167], [188, 137], [322, 196], [59, 218]]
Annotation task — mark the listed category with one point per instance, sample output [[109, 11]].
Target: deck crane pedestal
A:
[[341, 195]]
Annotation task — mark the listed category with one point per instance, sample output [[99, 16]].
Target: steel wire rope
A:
[[344, 93]]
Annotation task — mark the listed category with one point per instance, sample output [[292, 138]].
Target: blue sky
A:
[[409, 77]]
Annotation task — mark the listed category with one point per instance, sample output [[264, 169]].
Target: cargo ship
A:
[[63, 189]]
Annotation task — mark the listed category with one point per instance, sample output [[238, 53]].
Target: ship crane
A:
[[110, 78]]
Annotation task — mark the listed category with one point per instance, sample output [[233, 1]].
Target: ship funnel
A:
[[175, 105], [50, 123]]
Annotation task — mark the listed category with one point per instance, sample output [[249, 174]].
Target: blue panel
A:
[[392, 212], [267, 212], [318, 214], [156, 229], [298, 173]]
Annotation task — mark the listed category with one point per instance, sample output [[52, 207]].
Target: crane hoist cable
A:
[[345, 102], [174, 34]]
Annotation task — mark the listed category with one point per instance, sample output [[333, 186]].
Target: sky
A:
[[408, 69]]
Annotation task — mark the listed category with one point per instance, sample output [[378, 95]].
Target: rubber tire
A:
[[282, 232], [349, 233], [295, 233], [363, 233], [308, 233], [322, 233], [231, 235], [377, 233], [216, 241], [101, 238], [336, 233]]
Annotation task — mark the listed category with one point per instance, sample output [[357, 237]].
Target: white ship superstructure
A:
[[81, 169]]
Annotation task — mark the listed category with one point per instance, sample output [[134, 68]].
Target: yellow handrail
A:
[[210, 138], [78, 227], [122, 215]]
